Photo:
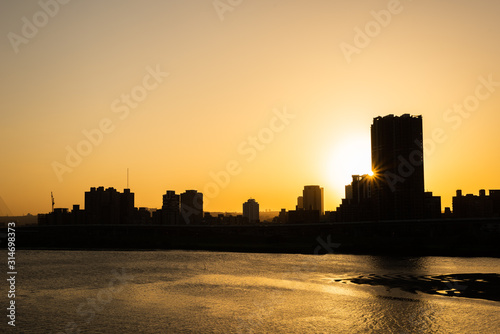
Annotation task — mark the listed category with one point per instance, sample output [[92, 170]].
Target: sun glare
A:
[[350, 157]]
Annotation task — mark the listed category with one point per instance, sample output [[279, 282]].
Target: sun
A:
[[351, 156]]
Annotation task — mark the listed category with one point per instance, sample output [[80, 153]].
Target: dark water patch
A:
[[481, 286]]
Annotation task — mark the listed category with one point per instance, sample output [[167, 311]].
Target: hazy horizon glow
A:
[[178, 94]]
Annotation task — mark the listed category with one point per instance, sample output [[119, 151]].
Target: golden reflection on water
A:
[[255, 304], [193, 292]]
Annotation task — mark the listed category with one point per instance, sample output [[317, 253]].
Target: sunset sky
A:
[[277, 94]]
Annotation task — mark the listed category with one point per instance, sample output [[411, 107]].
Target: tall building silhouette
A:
[[300, 203], [109, 206], [192, 207], [397, 163], [313, 198], [170, 214], [357, 204], [251, 210]]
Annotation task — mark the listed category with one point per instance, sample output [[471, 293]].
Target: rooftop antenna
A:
[[52, 197], [127, 179]]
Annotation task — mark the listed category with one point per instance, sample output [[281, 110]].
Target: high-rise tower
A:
[[191, 207], [251, 210], [170, 208], [313, 198], [398, 166]]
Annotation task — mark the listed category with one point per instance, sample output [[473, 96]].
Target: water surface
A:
[[215, 292]]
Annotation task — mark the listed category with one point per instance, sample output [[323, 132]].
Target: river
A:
[[218, 292]]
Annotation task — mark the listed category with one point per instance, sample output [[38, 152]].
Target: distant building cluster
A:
[[111, 207], [394, 191], [471, 206], [102, 206], [186, 208], [309, 208]]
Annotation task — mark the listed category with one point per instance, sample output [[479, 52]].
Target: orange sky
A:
[[277, 94]]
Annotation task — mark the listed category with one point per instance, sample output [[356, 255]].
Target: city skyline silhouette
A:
[[84, 101], [393, 191]]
